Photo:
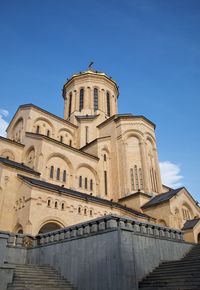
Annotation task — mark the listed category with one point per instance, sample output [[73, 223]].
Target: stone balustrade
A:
[[92, 227], [18, 240], [108, 223]]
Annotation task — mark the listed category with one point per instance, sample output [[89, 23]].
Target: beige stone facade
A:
[[55, 172]]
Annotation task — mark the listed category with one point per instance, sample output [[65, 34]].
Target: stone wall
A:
[[104, 254]]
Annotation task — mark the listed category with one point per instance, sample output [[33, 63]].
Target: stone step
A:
[[177, 269], [32, 277], [192, 264], [173, 277], [181, 262], [38, 281], [169, 288], [170, 284], [39, 288], [24, 274]]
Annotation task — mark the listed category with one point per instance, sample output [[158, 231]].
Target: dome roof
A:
[[90, 71]]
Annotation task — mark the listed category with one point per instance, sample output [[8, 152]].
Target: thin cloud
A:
[[3, 123], [170, 174]]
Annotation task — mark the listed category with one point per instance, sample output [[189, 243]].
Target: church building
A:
[[56, 172]]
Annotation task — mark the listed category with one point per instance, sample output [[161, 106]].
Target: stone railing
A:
[[18, 240], [108, 223]]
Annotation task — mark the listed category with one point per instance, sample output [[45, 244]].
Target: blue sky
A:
[[151, 48]]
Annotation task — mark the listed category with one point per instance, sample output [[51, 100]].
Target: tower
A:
[[90, 93]]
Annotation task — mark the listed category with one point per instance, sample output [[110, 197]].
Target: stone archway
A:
[[49, 227]]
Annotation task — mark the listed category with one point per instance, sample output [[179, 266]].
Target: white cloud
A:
[[3, 123], [170, 174]]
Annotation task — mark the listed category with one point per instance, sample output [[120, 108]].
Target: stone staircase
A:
[[33, 277], [183, 274]]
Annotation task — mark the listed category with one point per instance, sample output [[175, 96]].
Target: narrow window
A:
[[48, 133], [95, 99], [80, 181], [70, 142], [105, 182], [62, 206], [61, 139], [90, 212], [81, 102], [38, 129], [108, 103], [141, 178], [136, 177], [49, 202], [132, 179], [85, 211], [104, 157], [91, 184], [86, 134], [51, 171], [64, 176], [79, 210], [85, 182], [70, 104], [58, 174], [56, 204]]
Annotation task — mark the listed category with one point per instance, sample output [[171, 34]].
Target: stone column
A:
[[89, 104], [116, 105], [65, 107], [145, 169], [103, 101], [75, 96], [125, 169], [159, 182], [112, 105], [100, 100], [3, 246]]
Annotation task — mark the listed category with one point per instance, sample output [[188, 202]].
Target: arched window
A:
[[70, 142], [62, 206], [79, 210], [61, 139], [80, 181], [58, 174], [51, 171], [96, 99], [38, 129], [70, 104], [48, 133], [49, 203], [91, 212], [91, 184], [85, 211], [64, 176], [56, 204], [81, 101], [108, 103], [86, 185], [104, 157]]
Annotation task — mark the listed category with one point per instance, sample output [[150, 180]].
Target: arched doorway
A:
[[198, 238], [49, 227]]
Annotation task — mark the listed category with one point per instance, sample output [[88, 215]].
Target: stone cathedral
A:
[[56, 172]]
